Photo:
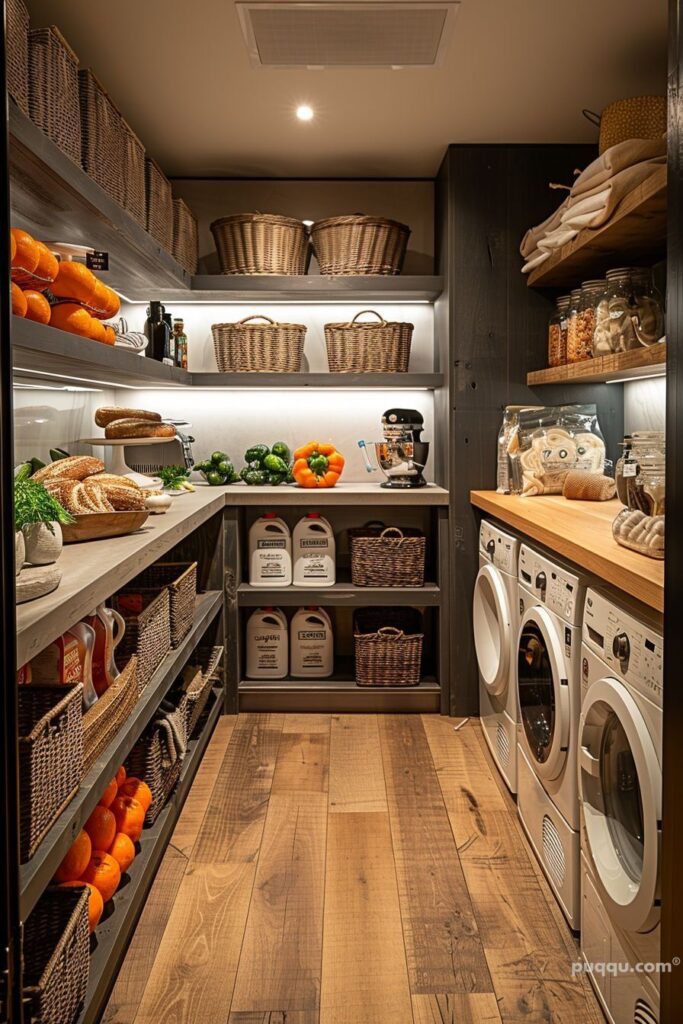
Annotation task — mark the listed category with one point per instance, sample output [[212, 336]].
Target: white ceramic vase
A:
[[19, 550], [42, 546]]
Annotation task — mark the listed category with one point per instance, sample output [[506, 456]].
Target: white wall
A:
[[47, 418], [645, 405]]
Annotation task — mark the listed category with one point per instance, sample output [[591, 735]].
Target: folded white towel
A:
[[537, 257], [616, 159], [588, 204], [557, 238], [597, 208], [530, 241]]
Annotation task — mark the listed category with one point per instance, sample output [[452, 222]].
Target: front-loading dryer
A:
[[620, 788], [495, 619], [548, 682]]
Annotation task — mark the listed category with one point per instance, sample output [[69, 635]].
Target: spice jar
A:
[[634, 310], [582, 339], [557, 333], [572, 323]]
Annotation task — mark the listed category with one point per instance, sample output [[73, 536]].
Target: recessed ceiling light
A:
[[304, 112]]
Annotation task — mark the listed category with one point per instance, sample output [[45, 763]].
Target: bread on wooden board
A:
[[74, 467], [125, 429], [106, 414]]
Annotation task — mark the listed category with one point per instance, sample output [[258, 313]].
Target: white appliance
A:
[[548, 683], [620, 787], [495, 620]]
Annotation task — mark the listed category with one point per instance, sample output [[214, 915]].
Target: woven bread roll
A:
[[74, 467], [131, 428], [582, 485], [124, 499], [106, 414]]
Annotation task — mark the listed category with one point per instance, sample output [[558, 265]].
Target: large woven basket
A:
[[260, 243], [17, 53], [196, 684], [359, 245], [180, 579], [148, 631], [133, 158], [103, 720], [382, 347], [638, 117], [388, 645], [159, 204], [246, 347], [56, 954], [102, 137], [50, 757], [146, 762], [185, 237], [387, 557], [53, 89]]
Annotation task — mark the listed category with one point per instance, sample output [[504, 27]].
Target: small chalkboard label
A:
[[97, 260]]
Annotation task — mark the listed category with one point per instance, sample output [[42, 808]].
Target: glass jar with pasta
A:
[[573, 323], [557, 332], [582, 339]]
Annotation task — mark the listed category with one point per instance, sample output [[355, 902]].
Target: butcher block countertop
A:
[[580, 531]]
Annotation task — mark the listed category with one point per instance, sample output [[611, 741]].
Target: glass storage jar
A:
[[634, 309], [582, 339], [638, 468], [557, 332], [648, 322], [573, 323]]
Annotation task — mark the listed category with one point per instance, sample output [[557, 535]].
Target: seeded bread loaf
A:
[[106, 414], [96, 494], [124, 499], [74, 467], [114, 478], [125, 429]]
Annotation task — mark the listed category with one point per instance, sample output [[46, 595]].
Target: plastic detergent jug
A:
[[109, 628], [311, 644], [313, 551], [267, 644], [270, 552]]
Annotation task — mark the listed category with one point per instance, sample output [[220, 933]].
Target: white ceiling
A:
[[515, 71]]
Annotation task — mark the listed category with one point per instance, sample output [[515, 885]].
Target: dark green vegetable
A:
[[23, 472], [256, 477], [218, 457], [256, 453], [36, 464], [225, 467], [58, 453], [275, 479], [281, 449], [173, 476], [318, 463], [214, 478], [274, 464]]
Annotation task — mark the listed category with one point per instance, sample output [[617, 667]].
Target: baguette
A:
[[74, 467], [106, 414], [131, 428]]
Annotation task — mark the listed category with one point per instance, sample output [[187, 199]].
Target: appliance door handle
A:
[[589, 764]]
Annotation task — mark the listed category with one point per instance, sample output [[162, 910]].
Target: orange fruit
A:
[[100, 300], [74, 281], [113, 303], [95, 901], [76, 860], [120, 776], [109, 794], [27, 253], [69, 316], [139, 790], [19, 303], [38, 308], [48, 264], [12, 247], [109, 335], [123, 851], [101, 827], [130, 816], [104, 873], [97, 332]]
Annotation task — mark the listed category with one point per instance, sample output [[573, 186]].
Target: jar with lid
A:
[[582, 338], [572, 322], [649, 320], [557, 332], [634, 311], [638, 470]]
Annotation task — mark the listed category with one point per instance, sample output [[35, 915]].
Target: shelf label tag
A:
[[97, 260]]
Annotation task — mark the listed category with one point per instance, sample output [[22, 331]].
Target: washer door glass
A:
[[491, 621], [622, 796], [543, 696]]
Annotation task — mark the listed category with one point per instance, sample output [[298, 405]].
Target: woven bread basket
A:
[[53, 89], [382, 347], [17, 53], [260, 243], [359, 245], [638, 117], [246, 347]]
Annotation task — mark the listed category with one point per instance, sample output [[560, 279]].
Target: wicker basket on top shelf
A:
[[17, 53], [134, 191], [261, 243], [359, 245], [185, 236], [101, 135], [159, 204], [54, 103]]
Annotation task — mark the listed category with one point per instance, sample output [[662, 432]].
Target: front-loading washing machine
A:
[[495, 619], [548, 683], [620, 788]]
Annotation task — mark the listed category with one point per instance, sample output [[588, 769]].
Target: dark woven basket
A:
[[17, 53], [146, 762], [260, 243], [185, 236], [133, 159], [50, 757], [148, 632], [56, 953], [103, 720], [246, 347], [53, 89], [388, 645], [159, 204], [198, 679], [382, 347], [359, 245], [387, 557], [180, 579], [102, 136]]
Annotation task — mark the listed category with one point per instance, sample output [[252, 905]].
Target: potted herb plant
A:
[[37, 515]]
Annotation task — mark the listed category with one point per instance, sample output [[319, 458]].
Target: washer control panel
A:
[[553, 584], [628, 640], [498, 547]]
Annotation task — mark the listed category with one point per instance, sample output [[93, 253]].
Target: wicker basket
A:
[[50, 757], [185, 236], [101, 135], [56, 952], [180, 579], [133, 159], [388, 647], [148, 631], [159, 204], [382, 347], [197, 683], [246, 347], [359, 245], [638, 117], [17, 53], [387, 557], [260, 243], [104, 719], [53, 89], [146, 762]]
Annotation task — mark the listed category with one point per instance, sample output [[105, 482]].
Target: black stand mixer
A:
[[402, 454]]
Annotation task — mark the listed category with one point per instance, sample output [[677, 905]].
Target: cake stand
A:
[[117, 461]]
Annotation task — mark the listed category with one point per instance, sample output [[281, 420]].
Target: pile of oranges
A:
[[104, 850], [79, 301]]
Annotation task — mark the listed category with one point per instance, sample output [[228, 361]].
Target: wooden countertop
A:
[[580, 531]]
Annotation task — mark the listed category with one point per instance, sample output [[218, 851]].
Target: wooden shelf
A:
[[241, 288], [640, 362], [636, 232], [37, 873], [342, 494], [582, 532], [337, 695], [342, 593], [368, 381]]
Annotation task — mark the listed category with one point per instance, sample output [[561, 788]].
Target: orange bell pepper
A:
[[317, 465]]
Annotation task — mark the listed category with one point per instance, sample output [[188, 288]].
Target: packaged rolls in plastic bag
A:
[[508, 444], [552, 442]]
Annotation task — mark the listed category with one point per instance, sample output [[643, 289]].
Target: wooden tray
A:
[[97, 525]]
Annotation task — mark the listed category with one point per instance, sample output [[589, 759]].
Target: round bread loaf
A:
[[131, 428], [106, 414]]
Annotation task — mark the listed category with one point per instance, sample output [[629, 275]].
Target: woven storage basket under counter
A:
[[148, 630], [159, 196], [388, 646], [17, 53], [196, 684], [56, 955], [377, 347], [103, 720], [387, 557], [50, 757], [54, 103], [102, 136], [261, 243], [180, 579], [146, 762], [247, 347], [185, 236], [359, 245]]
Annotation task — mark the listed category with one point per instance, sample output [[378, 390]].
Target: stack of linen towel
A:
[[594, 196]]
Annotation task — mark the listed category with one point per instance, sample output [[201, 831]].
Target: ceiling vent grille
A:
[[325, 34]]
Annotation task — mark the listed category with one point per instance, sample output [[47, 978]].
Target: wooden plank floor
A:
[[350, 869]]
